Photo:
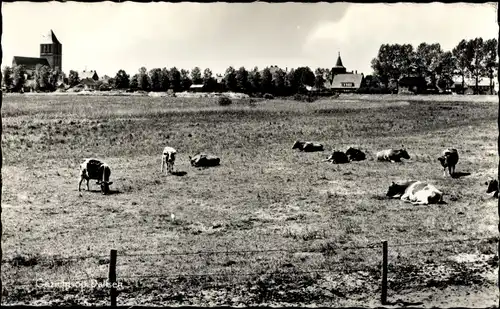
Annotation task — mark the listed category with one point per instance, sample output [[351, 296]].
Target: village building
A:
[[50, 55], [484, 86], [88, 74]]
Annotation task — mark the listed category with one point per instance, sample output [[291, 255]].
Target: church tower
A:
[[339, 67], [51, 49]]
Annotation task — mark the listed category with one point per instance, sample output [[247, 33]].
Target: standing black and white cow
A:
[[415, 192], [168, 158], [393, 155], [97, 170], [448, 159]]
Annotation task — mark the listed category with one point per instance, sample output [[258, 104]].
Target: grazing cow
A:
[[354, 154], [307, 146], [204, 160], [338, 157], [449, 159], [392, 155], [95, 169], [168, 158], [415, 192], [492, 187]]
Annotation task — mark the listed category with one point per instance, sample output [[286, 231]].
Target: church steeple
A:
[[339, 62], [339, 67]]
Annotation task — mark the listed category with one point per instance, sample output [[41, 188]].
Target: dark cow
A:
[[338, 157], [97, 170], [415, 192], [392, 155], [204, 160], [449, 159], [492, 187], [307, 146], [354, 154]]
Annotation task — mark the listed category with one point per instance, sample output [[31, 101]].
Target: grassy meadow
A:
[[263, 196]]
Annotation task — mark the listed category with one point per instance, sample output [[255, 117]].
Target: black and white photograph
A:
[[250, 154]]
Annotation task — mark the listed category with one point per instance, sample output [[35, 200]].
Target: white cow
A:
[[168, 158], [415, 192]]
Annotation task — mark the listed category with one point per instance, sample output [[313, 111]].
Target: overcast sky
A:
[[110, 36]]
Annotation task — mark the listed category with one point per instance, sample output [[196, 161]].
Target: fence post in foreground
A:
[[384, 273], [112, 277]]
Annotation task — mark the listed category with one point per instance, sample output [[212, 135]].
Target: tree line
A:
[[474, 58]]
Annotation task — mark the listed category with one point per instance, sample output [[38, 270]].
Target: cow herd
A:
[[415, 192]]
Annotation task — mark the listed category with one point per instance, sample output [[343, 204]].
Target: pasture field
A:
[[264, 196]]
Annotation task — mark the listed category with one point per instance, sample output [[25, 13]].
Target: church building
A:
[[50, 55]]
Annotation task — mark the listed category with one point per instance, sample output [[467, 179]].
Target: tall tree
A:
[[208, 80], [143, 82], [185, 80], [445, 70], [491, 63], [19, 77], [155, 78], [477, 67], [7, 78], [175, 79], [427, 58], [242, 80], [196, 76], [319, 80], [164, 79], [279, 80], [122, 80], [463, 58], [73, 78], [267, 81], [393, 62], [291, 82], [134, 82], [230, 83], [254, 79], [42, 77]]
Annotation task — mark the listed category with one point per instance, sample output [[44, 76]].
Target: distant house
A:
[[88, 83], [348, 82], [484, 86], [341, 80], [88, 74], [196, 88], [29, 63], [412, 85]]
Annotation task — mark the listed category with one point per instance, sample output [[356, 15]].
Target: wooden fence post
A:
[[384, 273], [112, 277]]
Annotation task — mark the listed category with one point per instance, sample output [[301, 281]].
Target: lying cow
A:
[[95, 169], [492, 187], [415, 192], [307, 146], [392, 155], [338, 157], [168, 158], [354, 154], [449, 159], [204, 160]]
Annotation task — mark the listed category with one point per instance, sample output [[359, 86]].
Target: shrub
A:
[[223, 100], [268, 96], [304, 98]]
